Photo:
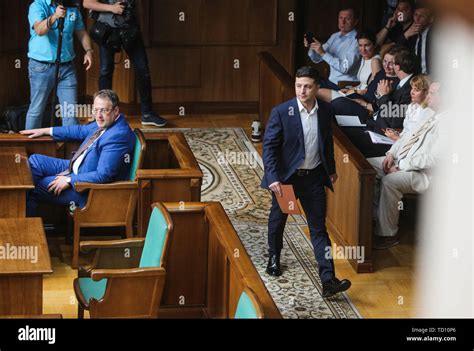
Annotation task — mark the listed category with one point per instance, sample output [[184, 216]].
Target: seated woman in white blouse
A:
[[417, 112], [370, 65]]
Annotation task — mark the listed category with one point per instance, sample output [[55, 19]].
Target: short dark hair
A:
[[367, 34], [354, 10], [410, 2], [407, 61], [396, 48], [109, 95], [309, 72]]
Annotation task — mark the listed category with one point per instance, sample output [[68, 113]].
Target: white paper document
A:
[[379, 139], [348, 121]]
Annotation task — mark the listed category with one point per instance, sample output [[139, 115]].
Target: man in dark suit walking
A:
[[298, 149]]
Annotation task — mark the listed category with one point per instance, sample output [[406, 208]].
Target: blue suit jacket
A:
[[109, 158], [283, 144]]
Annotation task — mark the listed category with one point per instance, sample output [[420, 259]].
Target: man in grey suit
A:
[[405, 170]]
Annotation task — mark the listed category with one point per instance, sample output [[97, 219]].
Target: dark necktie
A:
[[81, 150], [419, 45]]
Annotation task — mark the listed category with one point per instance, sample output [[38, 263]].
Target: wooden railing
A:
[[208, 267], [170, 173], [349, 211]]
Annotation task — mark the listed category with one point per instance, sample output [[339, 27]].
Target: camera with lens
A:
[[115, 31], [127, 18]]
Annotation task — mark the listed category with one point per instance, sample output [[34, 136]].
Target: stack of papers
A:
[[379, 139], [349, 121]]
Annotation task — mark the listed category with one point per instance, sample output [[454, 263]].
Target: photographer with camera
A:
[[44, 17], [117, 27]]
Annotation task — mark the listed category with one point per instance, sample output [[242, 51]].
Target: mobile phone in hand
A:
[[309, 37]]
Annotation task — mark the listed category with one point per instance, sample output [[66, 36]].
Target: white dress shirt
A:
[[309, 121], [404, 81]]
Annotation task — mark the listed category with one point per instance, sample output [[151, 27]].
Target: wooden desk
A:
[[170, 173], [21, 276], [15, 181]]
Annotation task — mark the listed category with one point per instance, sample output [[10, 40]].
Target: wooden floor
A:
[[387, 293]]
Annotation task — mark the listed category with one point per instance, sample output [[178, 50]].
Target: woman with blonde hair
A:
[[417, 112]]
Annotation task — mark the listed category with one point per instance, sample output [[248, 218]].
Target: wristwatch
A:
[[68, 180]]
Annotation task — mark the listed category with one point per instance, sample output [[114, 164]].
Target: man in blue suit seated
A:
[[298, 149], [103, 157]]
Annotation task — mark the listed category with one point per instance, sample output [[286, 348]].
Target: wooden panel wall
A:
[[192, 47], [191, 60], [14, 36]]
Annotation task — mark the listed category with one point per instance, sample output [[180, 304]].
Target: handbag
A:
[[100, 32]]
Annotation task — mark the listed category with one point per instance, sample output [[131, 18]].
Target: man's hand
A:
[[58, 185], [393, 169], [276, 188], [384, 87], [60, 13], [88, 60], [388, 163], [36, 133], [392, 134], [317, 46], [333, 178], [412, 31], [392, 21], [117, 8]]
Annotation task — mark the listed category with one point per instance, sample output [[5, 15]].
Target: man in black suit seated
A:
[[390, 105], [420, 37]]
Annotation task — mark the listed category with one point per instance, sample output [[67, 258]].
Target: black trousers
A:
[[312, 195], [138, 58]]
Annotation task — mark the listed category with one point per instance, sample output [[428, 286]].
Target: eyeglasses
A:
[[388, 63], [102, 111]]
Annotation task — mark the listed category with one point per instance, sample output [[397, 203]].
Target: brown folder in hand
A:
[[288, 203]]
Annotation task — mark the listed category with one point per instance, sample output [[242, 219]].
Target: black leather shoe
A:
[[273, 267], [334, 286]]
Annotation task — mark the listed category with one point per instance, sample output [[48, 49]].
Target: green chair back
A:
[[138, 154], [246, 308], [157, 232]]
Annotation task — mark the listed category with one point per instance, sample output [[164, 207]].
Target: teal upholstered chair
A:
[[248, 306], [132, 289], [110, 205]]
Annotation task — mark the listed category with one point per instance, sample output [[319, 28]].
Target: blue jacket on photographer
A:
[[116, 27], [44, 17]]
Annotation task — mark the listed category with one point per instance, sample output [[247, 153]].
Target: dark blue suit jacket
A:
[[283, 144], [106, 160]]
